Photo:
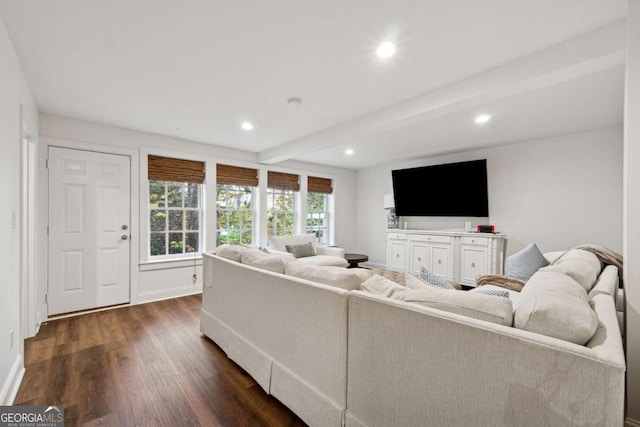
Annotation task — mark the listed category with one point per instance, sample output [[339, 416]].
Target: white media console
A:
[[454, 255]]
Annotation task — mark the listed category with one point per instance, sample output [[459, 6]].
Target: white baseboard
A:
[[12, 384], [167, 294], [628, 422]]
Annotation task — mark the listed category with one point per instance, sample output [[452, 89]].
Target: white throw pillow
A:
[[345, 278], [478, 306], [271, 262], [582, 266], [555, 305]]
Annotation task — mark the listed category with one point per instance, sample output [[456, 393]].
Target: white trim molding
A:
[[12, 384]]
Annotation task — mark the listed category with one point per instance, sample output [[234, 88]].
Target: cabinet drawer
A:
[[397, 236], [467, 240], [430, 238]]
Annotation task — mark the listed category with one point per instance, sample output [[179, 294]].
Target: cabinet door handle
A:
[[397, 255], [439, 261], [473, 264], [419, 259], [473, 241]]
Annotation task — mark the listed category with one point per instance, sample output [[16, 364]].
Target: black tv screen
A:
[[452, 189]]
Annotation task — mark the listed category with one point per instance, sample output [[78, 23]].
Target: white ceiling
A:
[[196, 69]]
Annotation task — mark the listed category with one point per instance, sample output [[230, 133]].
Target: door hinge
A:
[[46, 298], [46, 163], [47, 230]]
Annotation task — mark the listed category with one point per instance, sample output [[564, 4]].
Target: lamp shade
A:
[[389, 202]]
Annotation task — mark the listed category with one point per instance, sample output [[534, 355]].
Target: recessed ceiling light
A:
[[386, 49], [247, 125], [483, 118], [349, 151]]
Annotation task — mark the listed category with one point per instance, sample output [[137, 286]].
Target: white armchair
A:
[[325, 255]]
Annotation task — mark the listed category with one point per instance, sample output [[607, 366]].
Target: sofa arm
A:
[[330, 250]]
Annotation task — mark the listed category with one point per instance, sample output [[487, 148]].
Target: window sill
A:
[[166, 264]]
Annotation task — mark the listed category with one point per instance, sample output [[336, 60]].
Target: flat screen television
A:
[[452, 189]]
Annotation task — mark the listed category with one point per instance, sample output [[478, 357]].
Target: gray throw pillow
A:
[[524, 263], [300, 251], [434, 280]]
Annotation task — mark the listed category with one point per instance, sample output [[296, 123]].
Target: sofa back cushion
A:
[[260, 259], [582, 266], [555, 305], [231, 252], [279, 243], [341, 277], [483, 307]]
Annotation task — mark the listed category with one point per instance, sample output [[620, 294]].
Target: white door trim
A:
[[29, 317]]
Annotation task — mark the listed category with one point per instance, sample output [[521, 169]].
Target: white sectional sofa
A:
[[341, 357]]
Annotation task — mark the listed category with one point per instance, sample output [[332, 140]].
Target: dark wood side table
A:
[[354, 259]]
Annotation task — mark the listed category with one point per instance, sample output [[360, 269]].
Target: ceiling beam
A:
[[589, 53]]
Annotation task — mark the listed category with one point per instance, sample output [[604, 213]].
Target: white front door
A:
[[89, 217]]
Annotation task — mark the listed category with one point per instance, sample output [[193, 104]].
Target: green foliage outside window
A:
[[234, 205], [280, 212], [174, 218], [318, 215]]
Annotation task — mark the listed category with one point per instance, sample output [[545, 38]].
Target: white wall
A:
[[16, 96], [152, 281], [557, 192]]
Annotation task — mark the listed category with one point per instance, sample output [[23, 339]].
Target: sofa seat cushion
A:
[[483, 307], [341, 277], [582, 266], [271, 262], [327, 260], [555, 305]]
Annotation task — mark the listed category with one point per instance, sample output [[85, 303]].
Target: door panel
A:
[[89, 203]]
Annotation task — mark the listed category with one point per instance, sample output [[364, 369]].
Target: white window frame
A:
[[227, 210], [199, 209], [271, 193], [327, 218]]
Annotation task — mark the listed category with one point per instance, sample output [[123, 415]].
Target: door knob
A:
[[124, 237], [124, 227]]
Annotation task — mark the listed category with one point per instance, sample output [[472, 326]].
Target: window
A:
[[235, 212], [175, 206], [234, 204], [318, 191], [175, 213], [318, 216], [281, 203]]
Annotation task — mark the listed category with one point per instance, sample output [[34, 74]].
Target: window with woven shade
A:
[[235, 207], [175, 206], [318, 191], [282, 190]]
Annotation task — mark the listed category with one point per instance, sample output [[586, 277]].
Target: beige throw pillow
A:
[[271, 262], [582, 266], [341, 277], [555, 305], [232, 252]]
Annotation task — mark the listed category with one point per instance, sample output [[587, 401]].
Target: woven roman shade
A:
[[175, 170], [283, 181], [319, 185], [235, 175]]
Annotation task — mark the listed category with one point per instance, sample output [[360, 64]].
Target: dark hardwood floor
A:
[[143, 365]]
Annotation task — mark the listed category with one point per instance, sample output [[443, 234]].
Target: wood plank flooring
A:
[[143, 365]]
